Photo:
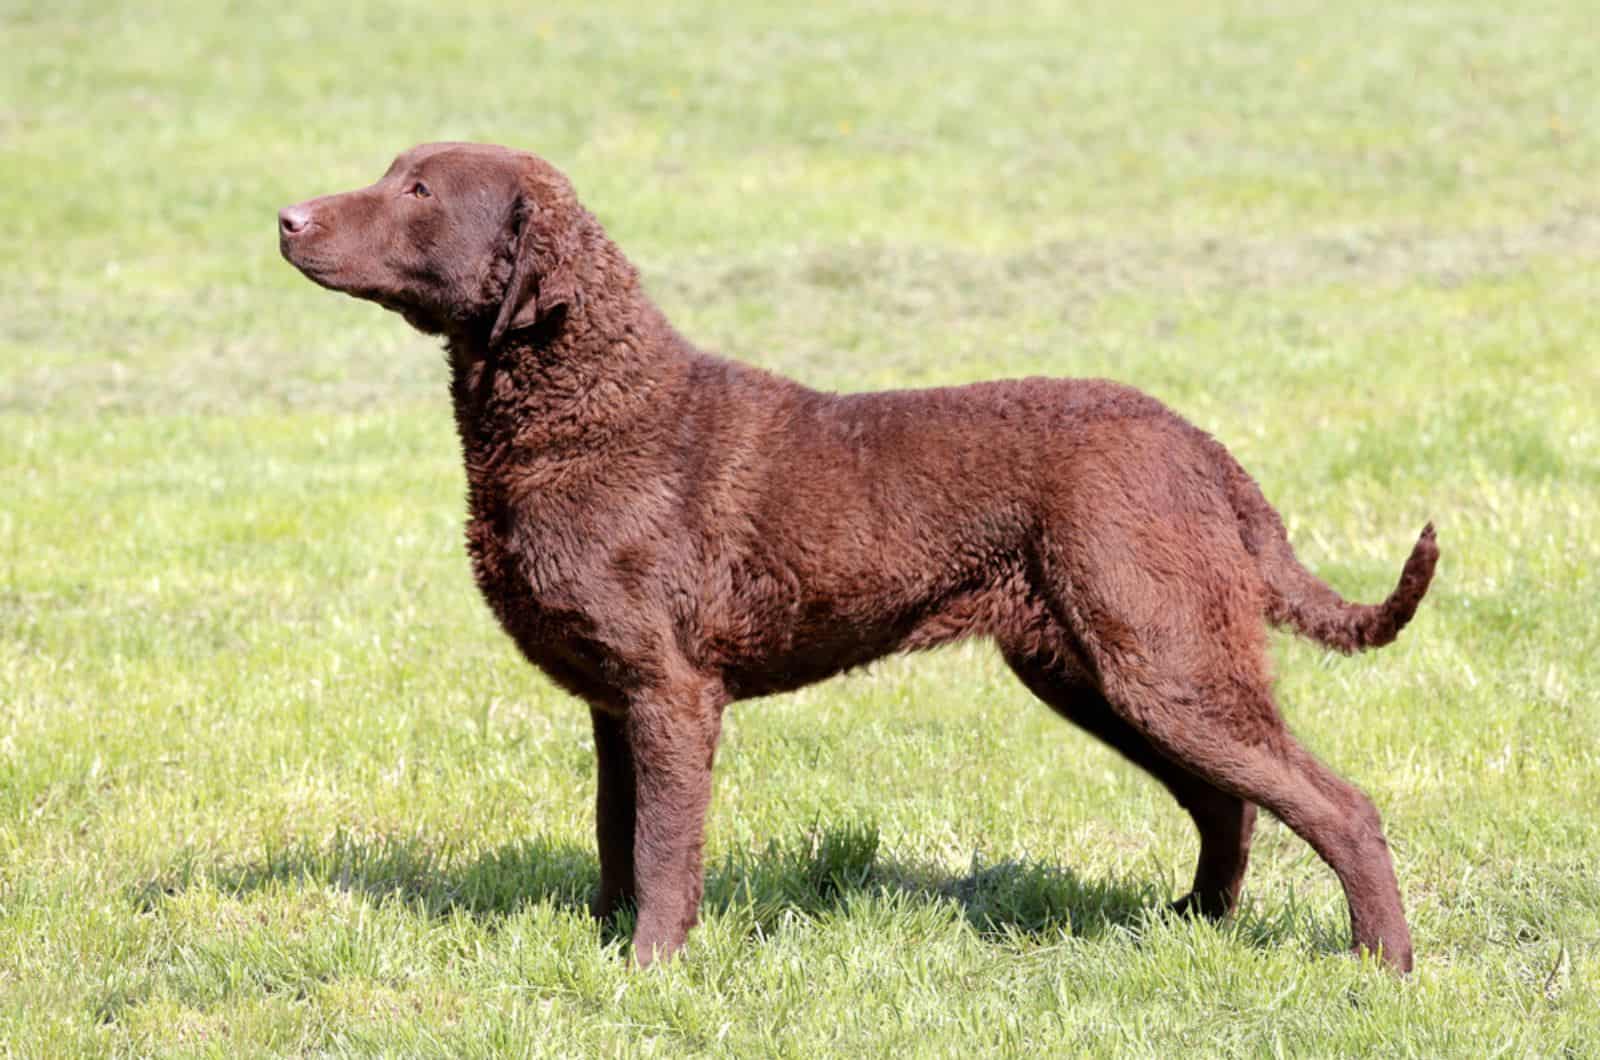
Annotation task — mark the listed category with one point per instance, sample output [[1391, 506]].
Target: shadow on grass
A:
[[817, 873], [825, 869]]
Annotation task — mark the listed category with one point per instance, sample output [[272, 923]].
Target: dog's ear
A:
[[544, 246]]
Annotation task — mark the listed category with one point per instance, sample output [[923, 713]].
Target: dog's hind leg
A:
[[1271, 769], [1171, 628], [1225, 822]]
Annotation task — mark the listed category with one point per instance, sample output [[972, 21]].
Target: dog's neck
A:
[[585, 378]]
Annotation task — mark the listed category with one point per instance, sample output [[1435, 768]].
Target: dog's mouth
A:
[[296, 256], [321, 271], [326, 274]]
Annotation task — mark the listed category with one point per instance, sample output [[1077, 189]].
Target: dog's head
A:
[[458, 238]]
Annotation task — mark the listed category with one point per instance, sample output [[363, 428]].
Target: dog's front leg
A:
[[614, 812], [672, 734]]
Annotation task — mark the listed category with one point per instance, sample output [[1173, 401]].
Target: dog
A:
[[663, 532]]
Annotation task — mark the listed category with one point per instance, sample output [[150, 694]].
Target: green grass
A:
[[272, 782]]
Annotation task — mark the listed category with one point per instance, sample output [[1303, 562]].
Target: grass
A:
[[272, 782]]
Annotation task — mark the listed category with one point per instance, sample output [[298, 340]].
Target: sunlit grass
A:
[[272, 781]]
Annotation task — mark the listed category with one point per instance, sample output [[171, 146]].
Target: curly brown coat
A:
[[663, 531]]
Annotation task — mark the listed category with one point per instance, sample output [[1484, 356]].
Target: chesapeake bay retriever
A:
[[662, 532]]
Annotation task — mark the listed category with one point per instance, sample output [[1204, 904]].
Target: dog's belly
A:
[[811, 640], [803, 662]]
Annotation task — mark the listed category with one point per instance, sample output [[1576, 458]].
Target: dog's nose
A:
[[293, 219]]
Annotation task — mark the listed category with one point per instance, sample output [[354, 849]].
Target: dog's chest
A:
[[529, 561]]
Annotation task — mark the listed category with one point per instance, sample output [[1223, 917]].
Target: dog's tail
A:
[[1300, 600]]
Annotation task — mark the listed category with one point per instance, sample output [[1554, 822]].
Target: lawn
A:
[[272, 781]]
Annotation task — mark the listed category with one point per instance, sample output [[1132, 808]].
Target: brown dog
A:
[[663, 532]]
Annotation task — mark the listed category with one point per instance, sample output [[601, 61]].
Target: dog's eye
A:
[[420, 190]]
